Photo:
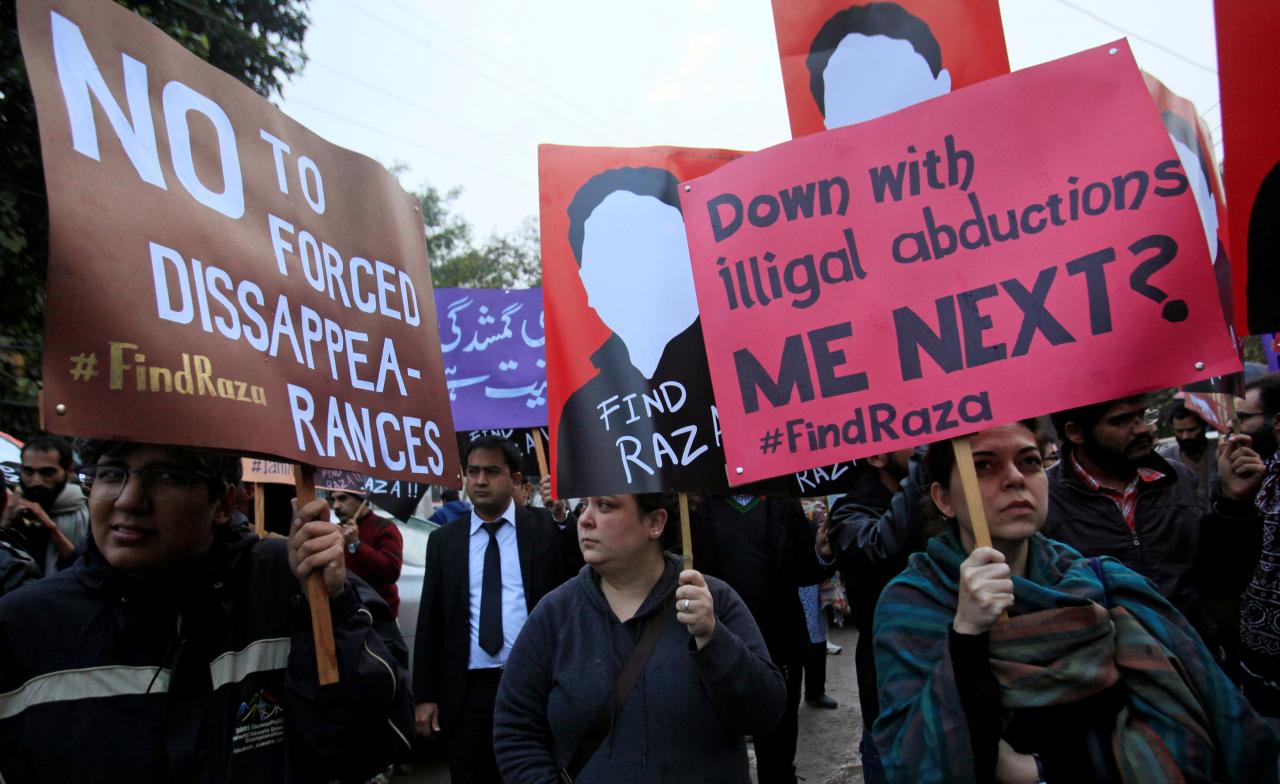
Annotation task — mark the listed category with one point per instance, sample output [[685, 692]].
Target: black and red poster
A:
[[629, 393], [1249, 79], [845, 62]]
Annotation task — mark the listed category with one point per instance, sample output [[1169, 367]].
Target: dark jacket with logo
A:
[[212, 678], [1189, 553]]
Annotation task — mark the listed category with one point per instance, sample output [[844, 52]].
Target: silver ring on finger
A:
[[686, 605]]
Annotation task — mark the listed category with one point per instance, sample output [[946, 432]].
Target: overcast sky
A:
[[463, 93]]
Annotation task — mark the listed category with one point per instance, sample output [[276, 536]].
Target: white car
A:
[[414, 531]]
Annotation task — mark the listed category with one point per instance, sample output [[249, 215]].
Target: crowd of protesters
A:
[[1123, 624]]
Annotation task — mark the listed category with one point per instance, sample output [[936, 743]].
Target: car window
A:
[[415, 531]]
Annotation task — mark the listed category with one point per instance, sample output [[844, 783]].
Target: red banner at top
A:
[[1249, 81], [845, 62], [1028, 245]]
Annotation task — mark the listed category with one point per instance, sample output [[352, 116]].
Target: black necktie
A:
[[491, 592]]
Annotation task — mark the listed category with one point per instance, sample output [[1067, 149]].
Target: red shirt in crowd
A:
[[378, 558]]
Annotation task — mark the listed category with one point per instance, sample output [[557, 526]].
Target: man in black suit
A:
[[485, 573], [764, 549]]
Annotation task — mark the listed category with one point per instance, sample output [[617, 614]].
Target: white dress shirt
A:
[[514, 610]]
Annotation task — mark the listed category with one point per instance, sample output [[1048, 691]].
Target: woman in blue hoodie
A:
[[708, 683]]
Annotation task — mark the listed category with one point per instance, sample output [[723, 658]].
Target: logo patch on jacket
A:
[[259, 723]]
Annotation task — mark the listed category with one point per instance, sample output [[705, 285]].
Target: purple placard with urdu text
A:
[[494, 361]]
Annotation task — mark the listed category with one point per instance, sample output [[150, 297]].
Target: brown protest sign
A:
[[220, 276]]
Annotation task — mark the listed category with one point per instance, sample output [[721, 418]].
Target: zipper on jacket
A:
[[169, 652]]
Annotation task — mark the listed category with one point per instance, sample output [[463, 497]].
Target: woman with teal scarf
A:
[[1094, 677]]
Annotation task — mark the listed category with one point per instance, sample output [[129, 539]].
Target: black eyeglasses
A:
[[159, 482], [1244, 416]]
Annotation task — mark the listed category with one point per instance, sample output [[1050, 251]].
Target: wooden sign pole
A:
[[259, 511], [972, 493], [686, 538], [542, 453], [304, 477], [973, 498]]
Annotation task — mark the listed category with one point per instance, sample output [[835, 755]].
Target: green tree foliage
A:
[[257, 41], [510, 260]]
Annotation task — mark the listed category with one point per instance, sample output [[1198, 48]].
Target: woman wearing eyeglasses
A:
[[1094, 677]]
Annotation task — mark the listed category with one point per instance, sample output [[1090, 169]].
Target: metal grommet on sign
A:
[[1112, 50], [60, 409], [1199, 366], [738, 470], [688, 188]]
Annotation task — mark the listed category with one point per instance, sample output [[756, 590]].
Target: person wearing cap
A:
[[179, 647], [375, 548]]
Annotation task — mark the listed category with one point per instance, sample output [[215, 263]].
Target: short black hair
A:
[[223, 469], [888, 19], [1180, 411], [511, 454], [1087, 417], [1182, 130], [448, 495], [1268, 392], [640, 180], [47, 443], [669, 501], [941, 457]]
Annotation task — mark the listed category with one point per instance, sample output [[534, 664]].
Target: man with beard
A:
[[1256, 416], [375, 548], [52, 515], [1191, 446], [1113, 495]]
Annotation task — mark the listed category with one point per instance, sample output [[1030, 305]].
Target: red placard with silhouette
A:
[[845, 62], [622, 322]]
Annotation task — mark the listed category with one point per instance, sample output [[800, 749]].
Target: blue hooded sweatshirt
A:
[[685, 721]]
